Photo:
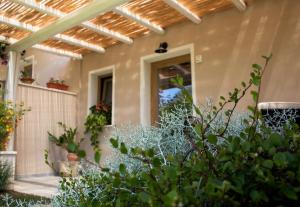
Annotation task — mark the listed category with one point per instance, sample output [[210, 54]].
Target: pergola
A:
[[76, 27]]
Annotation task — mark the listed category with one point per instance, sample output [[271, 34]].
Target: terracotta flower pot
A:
[[72, 157], [53, 85], [58, 86], [27, 80]]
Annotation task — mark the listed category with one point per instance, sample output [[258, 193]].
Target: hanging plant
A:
[[3, 53]]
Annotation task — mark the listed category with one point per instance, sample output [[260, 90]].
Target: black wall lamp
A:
[[162, 48]]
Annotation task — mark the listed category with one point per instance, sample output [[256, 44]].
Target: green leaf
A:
[[198, 129], [114, 142], [97, 156], [150, 152], [256, 80], [280, 159], [246, 146], [268, 164], [213, 139], [254, 95], [275, 139], [289, 192], [170, 198], [81, 153], [72, 147], [156, 162], [258, 196], [143, 197], [123, 148], [243, 84], [122, 168], [257, 66]]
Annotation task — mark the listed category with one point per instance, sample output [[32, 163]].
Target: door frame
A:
[[145, 78]]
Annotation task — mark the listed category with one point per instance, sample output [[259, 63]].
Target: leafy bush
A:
[[5, 174], [10, 114], [251, 165], [100, 115]]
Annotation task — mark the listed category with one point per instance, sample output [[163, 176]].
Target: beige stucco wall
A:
[[229, 43], [3, 72], [47, 65]]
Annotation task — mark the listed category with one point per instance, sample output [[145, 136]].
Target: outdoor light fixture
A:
[[162, 48]]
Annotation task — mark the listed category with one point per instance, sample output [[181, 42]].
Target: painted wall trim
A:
[[92, 90], [145, 87]]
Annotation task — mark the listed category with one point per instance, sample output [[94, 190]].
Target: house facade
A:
[[220, 51]]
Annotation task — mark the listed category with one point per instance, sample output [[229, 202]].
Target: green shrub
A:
[[5, 174], [256, 167]]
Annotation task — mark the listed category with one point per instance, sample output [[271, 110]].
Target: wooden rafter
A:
[[139, 19], [61, 37], [89, 11], [183, 10], [45, 48], [89, 25], [240, 4]]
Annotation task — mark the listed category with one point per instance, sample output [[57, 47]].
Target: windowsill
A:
[[108, 126]]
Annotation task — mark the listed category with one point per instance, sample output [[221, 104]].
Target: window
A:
[[101, 91], [27, 64], [165, 95]]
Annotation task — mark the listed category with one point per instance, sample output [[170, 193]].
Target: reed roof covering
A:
[[155, 11]]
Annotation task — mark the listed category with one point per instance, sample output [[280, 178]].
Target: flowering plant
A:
[[100, 115], [3, 54], [10, 114]]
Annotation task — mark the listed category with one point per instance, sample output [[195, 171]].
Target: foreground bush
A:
[[254, 165], [5, 174]]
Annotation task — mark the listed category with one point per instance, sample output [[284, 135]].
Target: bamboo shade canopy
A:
[[154, 11]]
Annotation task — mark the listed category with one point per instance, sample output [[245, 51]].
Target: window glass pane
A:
[[105, 96], [169, 94], [107, 91]]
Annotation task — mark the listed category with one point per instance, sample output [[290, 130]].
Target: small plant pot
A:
[[64, 87], [72, 157], [27, 80], [58, 86], [53, 85]]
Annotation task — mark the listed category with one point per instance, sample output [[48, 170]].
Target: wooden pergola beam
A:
[[60, 37], [88, 12], [89, 25], [45, 48], [139, 19], [183, 10], [240, 4]]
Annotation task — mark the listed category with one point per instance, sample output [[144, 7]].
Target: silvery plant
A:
[[169, 137], [10, 201]]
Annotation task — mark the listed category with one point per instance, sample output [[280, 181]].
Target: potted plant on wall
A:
[[67, 141], [57, 84], [26, 77]]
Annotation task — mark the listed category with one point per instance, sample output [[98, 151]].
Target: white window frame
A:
[[145, 78], [93, 88]]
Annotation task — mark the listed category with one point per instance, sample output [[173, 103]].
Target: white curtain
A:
[[48, 107]]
